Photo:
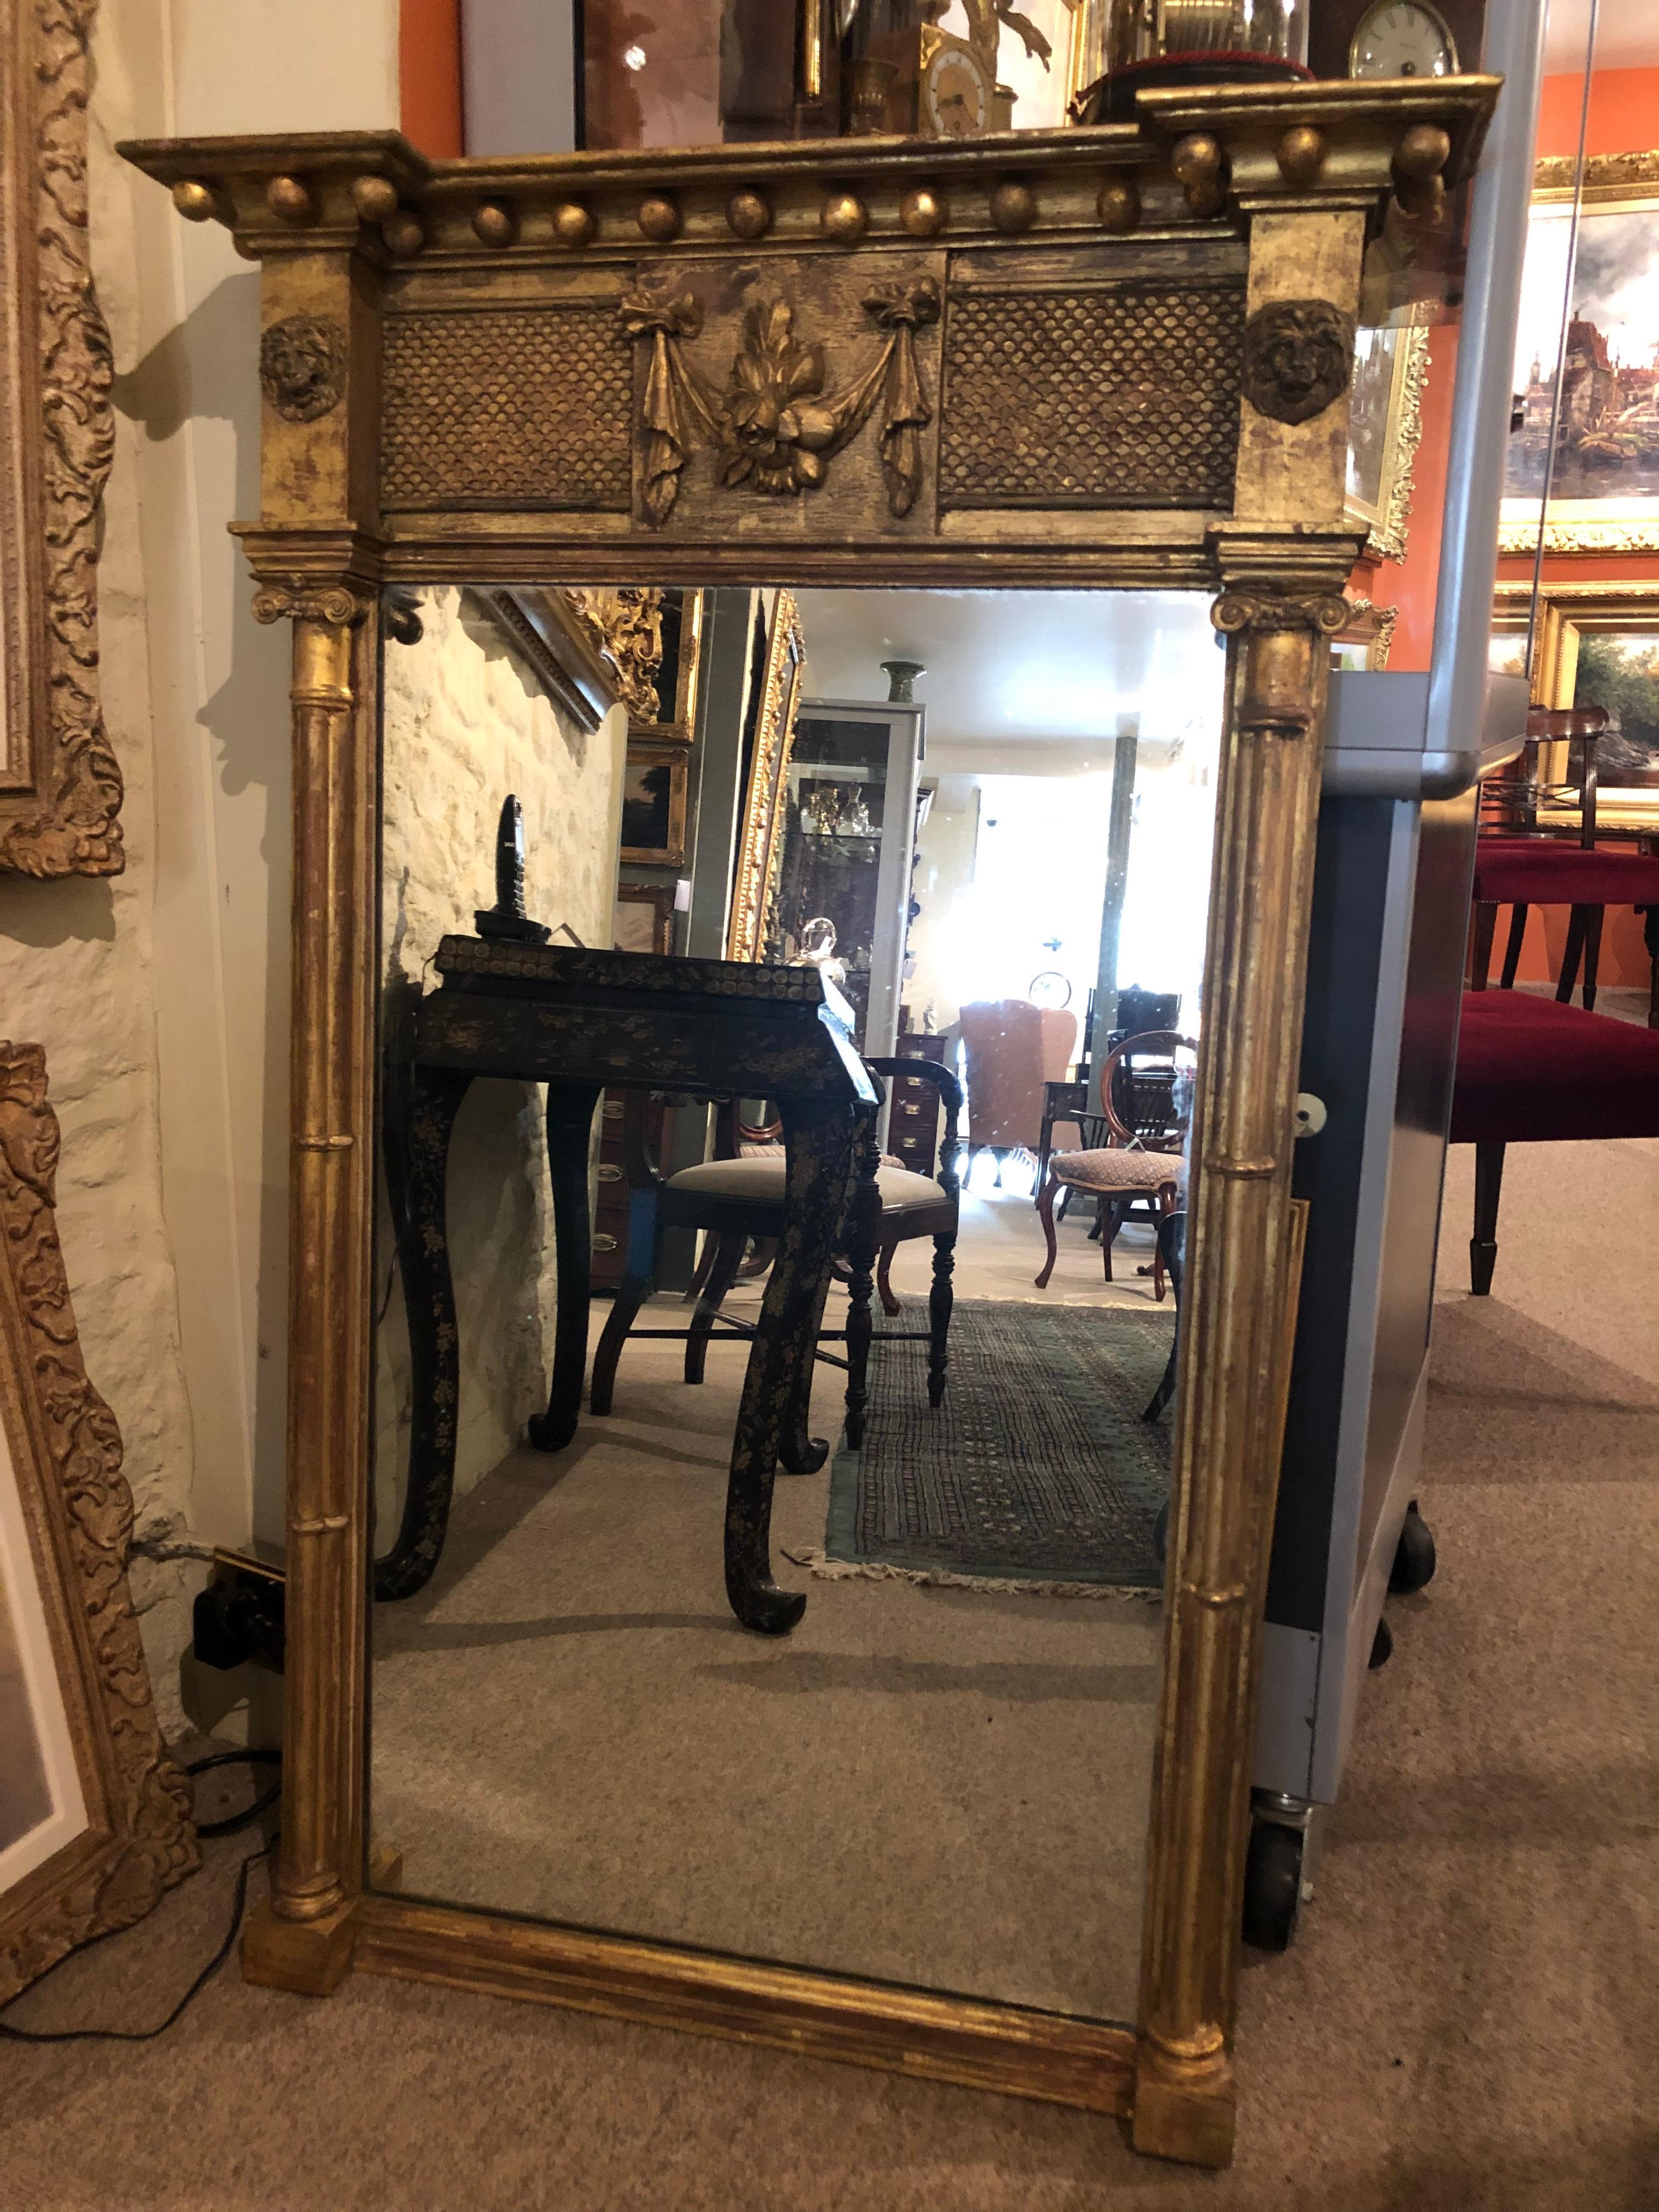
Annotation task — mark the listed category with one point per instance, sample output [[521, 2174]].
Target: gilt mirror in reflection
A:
[[969, 835]]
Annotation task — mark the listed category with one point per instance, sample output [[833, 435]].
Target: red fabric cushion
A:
[[1544, 872], [1531, 1071]]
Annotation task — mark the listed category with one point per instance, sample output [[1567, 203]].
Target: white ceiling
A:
[[1010, 666], [1626, 34]]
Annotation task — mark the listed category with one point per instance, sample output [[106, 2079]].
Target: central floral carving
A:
[[775, 427]]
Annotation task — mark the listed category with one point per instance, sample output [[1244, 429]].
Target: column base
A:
[[1183, 2121], [312, 1957]]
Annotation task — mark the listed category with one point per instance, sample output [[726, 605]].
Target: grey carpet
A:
[[1037, 1467]]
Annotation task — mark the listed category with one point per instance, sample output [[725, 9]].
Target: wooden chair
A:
[[735, 1199], [1146, 1111], [1533, 1071], [1519, 863]]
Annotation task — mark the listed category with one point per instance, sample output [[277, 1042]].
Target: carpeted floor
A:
[[1468, 2022]]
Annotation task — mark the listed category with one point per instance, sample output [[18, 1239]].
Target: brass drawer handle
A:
[[609, 1172], [604, 1243], [613, 1109]]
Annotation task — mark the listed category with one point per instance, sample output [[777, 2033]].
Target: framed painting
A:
[[760, 842], [1385, 426], [60, 787], [654, 786], [1366, 639], [1587, 367], [95, 1817], [674, 682], [645, 919]]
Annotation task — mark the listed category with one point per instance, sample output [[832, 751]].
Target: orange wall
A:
[[430, 75]]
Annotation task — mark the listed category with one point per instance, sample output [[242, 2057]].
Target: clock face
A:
[[955, 100], [1402, 38]]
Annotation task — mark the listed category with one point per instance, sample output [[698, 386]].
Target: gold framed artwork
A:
[[780, 367], [1385, 427], [654, 791], [1367, 639], [95, 1817], [674, 681], [645, 919], [760, 839], [1597, 644], [60, 787], [1594, 386]]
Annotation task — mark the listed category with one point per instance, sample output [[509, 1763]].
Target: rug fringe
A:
[[879, 1570]]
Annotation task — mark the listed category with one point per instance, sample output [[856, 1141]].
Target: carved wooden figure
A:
[[1081, 358]]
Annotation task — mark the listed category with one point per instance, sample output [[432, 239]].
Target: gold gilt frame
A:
[[137, 1840], [1103, 357], [1611, 182], [1567, 612], [760, 842], [1385, 518], [60, 788]]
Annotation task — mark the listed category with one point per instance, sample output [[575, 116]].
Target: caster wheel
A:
[[1414, 1561], [1272, 1885], [1161, 1535], [1382, 1646]]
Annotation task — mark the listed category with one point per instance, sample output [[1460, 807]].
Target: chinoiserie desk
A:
[[579, 1021]]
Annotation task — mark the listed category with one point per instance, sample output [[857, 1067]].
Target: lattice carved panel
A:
[[1119, 398], [514, 407]]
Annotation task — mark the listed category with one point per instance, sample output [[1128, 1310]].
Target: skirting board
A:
[[1004, 2048]]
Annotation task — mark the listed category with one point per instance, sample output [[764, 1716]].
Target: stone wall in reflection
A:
[[467, 722]]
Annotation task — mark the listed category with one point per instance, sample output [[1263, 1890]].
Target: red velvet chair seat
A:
[[1544, 872], [1530, 1070]]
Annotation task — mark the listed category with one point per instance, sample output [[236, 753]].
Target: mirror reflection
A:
[[788, 1011]]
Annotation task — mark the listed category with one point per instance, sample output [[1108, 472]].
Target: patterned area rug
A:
[[1037, 1467]]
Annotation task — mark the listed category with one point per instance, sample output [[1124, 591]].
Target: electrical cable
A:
[[225, 1827]]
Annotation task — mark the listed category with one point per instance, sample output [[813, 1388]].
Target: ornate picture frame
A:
[[1391, 368], [94, 1816], [645, 919], [1367, 639], [1610, 405], [655, 791], [1576, 626], [676, 674], [60, 787], [760, 845]]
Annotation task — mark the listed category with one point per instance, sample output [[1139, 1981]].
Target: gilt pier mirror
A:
[[834, 500]]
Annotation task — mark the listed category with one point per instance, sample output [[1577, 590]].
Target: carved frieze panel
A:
[[806, 388], [1109, 396]]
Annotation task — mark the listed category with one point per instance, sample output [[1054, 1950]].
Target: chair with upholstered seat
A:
[[1141, 1163], [735, 1199]]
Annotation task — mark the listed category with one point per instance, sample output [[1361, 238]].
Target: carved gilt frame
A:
[[1085, 357], [760, 847], [60, 788], [137, 1840], [1386, 517]]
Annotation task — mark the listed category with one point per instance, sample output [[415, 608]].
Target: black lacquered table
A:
[[581, 1022]]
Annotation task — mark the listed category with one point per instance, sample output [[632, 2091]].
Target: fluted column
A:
[[1229, 1417], [301, 1939]]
